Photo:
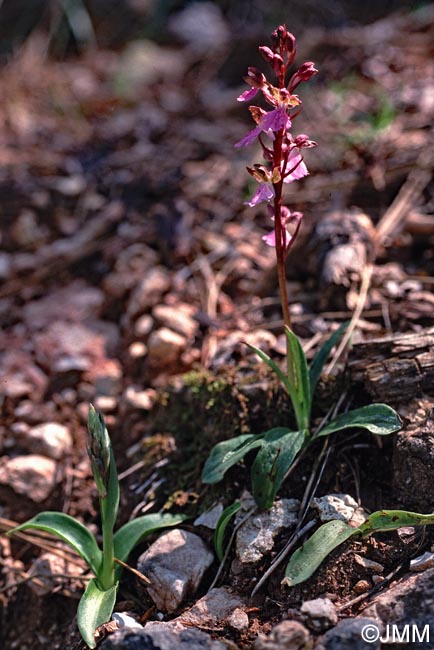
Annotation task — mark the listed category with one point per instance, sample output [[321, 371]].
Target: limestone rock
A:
[[49, 439], [175, 564], [320, 614], [256, 536], [33, 476], [213, 610]]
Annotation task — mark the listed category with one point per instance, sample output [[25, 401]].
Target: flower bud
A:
[[304, 73], [267, 53], [302, 141], [99, 450], [255, 78]]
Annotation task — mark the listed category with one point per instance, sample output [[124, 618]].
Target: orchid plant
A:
[[97, 603], [283, 155]]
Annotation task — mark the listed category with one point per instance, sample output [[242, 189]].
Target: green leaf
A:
[[300, 393], [273, 366], [306, 559], [394, 519], [69, 530], [322, 355], [278, 451], [94, 609], [228, 453], [376, 418], [131, 533], [222, 524]]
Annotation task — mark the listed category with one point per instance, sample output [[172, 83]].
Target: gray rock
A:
[[348, 635], [50, 439], [335, 506], [256, 536], [161, 636], [175, 564], [368, 564], [423, 562], [320, 614], [409, 602], [213, 609], [287, 635], [210, 518], [33, 476]]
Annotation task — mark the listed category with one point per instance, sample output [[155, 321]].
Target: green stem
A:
[[106, 577]]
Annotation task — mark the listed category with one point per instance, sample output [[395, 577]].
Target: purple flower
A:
[[264, 192], [269, 123], [286, 216], [295, 162], [247, 95]]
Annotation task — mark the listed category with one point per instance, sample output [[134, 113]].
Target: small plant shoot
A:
[[97, 603]]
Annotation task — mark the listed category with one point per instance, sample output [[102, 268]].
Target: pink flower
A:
[[288, 238], [269, 123], [264, 192], [296, 164]]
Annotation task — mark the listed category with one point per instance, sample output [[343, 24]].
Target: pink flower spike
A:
[[264, 192], [295, 161], [247, 95]]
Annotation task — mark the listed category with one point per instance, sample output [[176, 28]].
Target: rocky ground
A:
[[132, 275]]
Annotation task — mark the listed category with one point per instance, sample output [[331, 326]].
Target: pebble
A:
[[33, 476], [320, 614], [335, 506], [370, 565], [175, 563], [143, 326], [238, 620], [49, 439], [362, 586], [177, 318], [47, 568], [214, 609], [423, 562], [284, 636], [125, 620], [138, 399], [256, 536], [105, 404], [165, 347]]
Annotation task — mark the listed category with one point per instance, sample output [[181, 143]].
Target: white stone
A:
[[33, 476], [256, 536], [335, 506]]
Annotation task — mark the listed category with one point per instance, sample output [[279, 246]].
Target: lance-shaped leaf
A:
[[95, 608], [69, 530], [300, 393], [322, 355], [376, 418], [278, 451], [392, 520], [228, 453], [131, 533], [306, 559], [273, 366], [222, 524]]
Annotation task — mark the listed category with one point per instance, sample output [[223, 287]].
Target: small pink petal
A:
[[300, 171], [270, 239], [249, 138], [264, 193], [247, 95]]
